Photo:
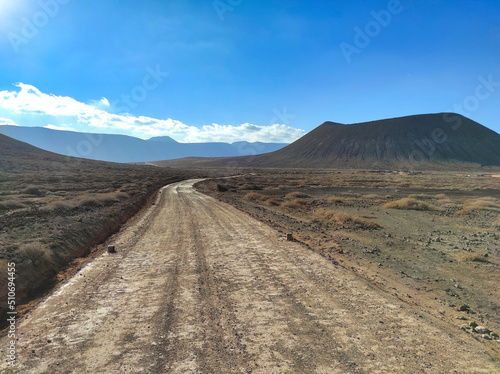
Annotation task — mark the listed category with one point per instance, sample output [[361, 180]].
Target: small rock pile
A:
[[483, 331]]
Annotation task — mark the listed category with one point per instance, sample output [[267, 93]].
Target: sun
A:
[[6, 7]]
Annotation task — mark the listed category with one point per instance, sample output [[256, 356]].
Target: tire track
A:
[[199, 287]]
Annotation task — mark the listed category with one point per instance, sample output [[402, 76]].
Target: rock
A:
[[464, 308], [473, 324], [482, 330], [486, 337], [221, 188], [494, 335]]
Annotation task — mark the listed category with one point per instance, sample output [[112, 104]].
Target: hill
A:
[[54, 209], [430, 140], [122, 148]]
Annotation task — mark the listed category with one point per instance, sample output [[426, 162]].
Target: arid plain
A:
[[429, 238]]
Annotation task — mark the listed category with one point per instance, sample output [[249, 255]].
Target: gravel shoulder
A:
[[199, 286]]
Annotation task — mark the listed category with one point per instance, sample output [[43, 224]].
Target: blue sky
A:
[[244, 70]]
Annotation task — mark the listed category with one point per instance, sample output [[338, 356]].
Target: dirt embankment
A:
[[56, 209]]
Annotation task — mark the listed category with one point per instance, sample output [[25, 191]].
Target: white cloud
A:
[[101, 104], [70, 114], [272, 134], [30, 100], [7, 121]]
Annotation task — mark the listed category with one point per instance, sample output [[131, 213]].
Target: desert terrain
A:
[[430, 239], [56, 210], [200, 286], [385, 270]]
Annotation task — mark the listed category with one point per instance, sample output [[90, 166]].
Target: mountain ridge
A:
[[124, 148]]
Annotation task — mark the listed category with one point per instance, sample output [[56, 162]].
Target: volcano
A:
[[419, 141]]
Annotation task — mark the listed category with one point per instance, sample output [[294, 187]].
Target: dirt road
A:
[[198, 286]]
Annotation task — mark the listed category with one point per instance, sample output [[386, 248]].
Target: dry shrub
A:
[[496, 223], [251, 187], [11, 205], [336, 199], [89, 203], [293, 204], [295, 195], [333, 215], [31, 191], [420, 196], [58, 205], [272, 201], [36, 254], [409, 203], [442, 196], [110, 197], [483, 203], [344, 218], [255, 196], [372, 196], [34, 264], [473, 256], [100, 199]]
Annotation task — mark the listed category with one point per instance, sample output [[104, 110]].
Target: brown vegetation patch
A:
[[251, 187], [54, 209], [409, 204], [296, 194], [335, 199], [345, 218], [484, 203], [272, 201], [473, 256], [255, 196], [294, 204]]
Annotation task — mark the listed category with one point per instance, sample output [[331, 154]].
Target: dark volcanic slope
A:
[[430, 139]]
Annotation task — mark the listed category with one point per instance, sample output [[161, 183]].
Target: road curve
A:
[[200, 287]]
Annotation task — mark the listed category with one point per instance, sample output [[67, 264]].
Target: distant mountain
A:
[[165, 139], [429, 140], [122, 148]]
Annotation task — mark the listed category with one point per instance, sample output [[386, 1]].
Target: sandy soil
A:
[[198, 286]]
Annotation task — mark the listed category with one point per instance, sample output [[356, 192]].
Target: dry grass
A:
[[255, 196], [442, 196], [251, 187], [272, 201], [31, 191], [409, 203], [335, 199], [293, 204], [11, 205], [443, 201], [420, 196], [484, 203], [295, 195], [54, 208], [473, 256], [344, 218], [372, 196]]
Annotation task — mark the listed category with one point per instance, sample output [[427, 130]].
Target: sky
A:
[[255, 70]]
